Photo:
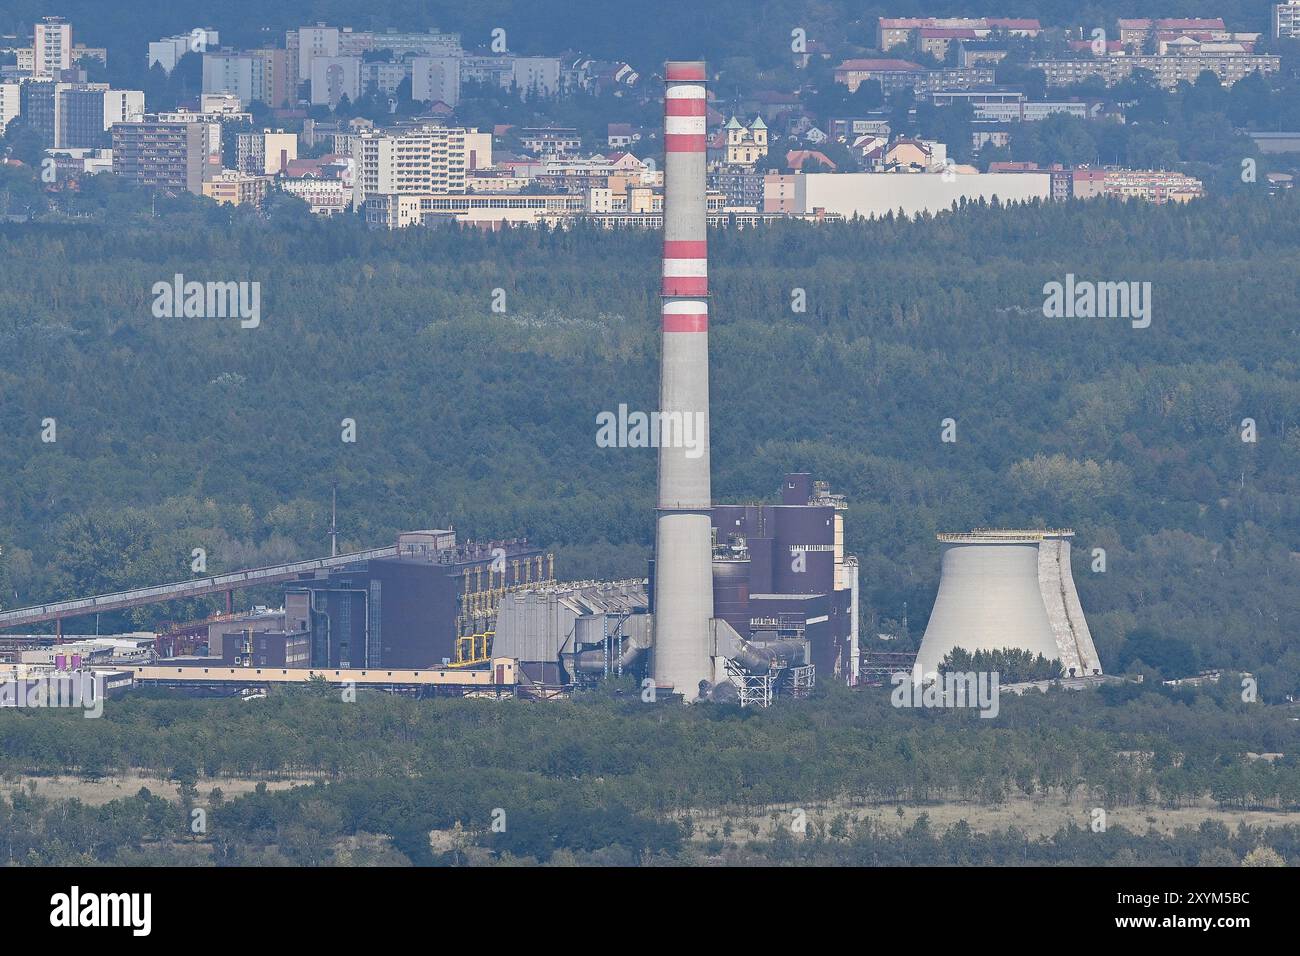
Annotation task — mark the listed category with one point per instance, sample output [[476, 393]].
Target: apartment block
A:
[[1169, 70], [537, 74], [489, 211], [895, 75], [435, 78], [274, 80], [156, 155], [1157, 186], [169, 51], [229, 72], [308, 43], [1025, 112], [334, 77], [236, 188], [10, 104], [425, 161], [1286, 20], [1136, 34], [75, 115], [901, 31], [210, 122], [265, 153], [51, 47]]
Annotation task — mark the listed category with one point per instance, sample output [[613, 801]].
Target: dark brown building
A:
[[402, 611], [155, 155], [780, 571], [267, 649]]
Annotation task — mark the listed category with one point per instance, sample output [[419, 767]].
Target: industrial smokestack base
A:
[[1008, 590], [683, 591]]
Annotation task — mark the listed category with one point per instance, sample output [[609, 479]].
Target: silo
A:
[[731, 591], [989, 598]]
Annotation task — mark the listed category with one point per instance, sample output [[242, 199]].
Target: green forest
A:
[[215, 436], [607, 779], [173, 434]]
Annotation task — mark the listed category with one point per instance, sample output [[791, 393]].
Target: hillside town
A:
[[416, 128]]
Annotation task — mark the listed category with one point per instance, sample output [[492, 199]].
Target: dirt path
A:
[[1035, 816], [98, 792]]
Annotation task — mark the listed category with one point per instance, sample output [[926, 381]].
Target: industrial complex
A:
[[741, 602]]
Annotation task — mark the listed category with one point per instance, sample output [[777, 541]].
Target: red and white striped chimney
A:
[[683, 598]]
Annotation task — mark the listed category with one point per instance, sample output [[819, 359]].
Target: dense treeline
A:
[[181, 433], [610, 779], [1125, 746], [308, 829]]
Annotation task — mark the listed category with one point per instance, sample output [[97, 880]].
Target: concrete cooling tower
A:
[[1002, 590]]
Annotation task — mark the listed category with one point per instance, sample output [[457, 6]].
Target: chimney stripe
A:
[[686, 285], [686, 267], [686, 107], [684, 125], [696, 322], [683, 144], [682, 71], [685, 249]]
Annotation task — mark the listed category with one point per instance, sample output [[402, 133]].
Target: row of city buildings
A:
[[427, 169], [325, 64]]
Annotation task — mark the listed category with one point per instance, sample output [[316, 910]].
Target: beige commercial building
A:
[[237, 189], [875, 195]]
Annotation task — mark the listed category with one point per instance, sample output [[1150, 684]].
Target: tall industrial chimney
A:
[[683, 588]]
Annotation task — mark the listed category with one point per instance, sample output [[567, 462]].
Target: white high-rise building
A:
[[169, 51], [333, 77], [229, 73], [319, 40], [123, 106], [427, 161], [539, 74], [435, 78], [9, 104], [1286, 20], [52, 48]]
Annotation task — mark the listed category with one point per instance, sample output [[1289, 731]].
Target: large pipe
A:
[[754, 657], [595, 662], [683, 594]]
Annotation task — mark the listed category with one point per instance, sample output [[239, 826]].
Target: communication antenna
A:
[[334, 524]]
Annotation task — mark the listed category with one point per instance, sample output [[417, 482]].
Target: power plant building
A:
[[410, 610], [1008, 590], [781, 572]]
